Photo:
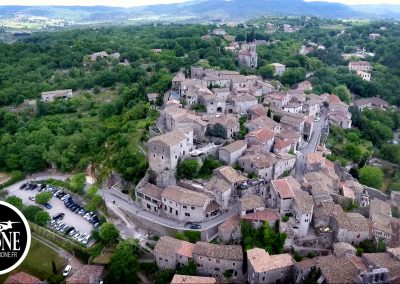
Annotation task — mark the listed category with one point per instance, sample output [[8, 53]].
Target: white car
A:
[[67, 270]]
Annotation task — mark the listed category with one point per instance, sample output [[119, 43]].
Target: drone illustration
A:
[[6, 225]]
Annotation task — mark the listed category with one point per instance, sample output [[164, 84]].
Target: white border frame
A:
[[28, 237]]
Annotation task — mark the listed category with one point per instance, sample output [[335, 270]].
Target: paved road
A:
[[310, 148], [110, 196]]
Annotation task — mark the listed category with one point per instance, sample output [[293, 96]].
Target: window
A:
[[162, 157], [235, 273], [176, 212], [184, 206], [148, 206], [216, 269], [217, 261], [187, 214], [234, 264], [154, 155], [209, 259], [160, 258], [192, 208]]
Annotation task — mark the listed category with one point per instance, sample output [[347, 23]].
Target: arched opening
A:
[[219, 109]]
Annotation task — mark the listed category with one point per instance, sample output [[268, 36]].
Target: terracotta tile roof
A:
[[315, 158], [22, 278], [337, 269], [282, 186], [395, 252], [185, 196], [230, 223], [261, 261], [269, 215], [375, 101], [232, 252], [230, 174], [341, 249], [382, 223], [88, 274], [259, 161], [250, 202], [263, 122], [332, 99], [172, 138], [244, 98], [294, 184], [262, 134], [380, 206], [186, 279], [281, 144], [279, 96], [235, 146], [258, 110], [171, 246], [304, 201], [151, 190]]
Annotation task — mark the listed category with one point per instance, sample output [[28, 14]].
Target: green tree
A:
[[208, 166], [164, 276], [94, 203], [43, 197], [187, 169], [16, 201], [266, 71], [92, 191], [343, 93], [293, 76], [30, 212], [371, 176], [192, 236], [124, 264], [42, 218], [77, 182], [189, 269], [108, 233]]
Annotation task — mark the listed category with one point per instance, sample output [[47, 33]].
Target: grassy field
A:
[[38, 261]]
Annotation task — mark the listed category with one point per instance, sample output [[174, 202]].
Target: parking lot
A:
[[70, 218]]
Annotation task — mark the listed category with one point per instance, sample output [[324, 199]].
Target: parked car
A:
[[59, 216], [47, 205], [195, 226], [73, 232], [86, 240], [42, 186], [23, 186], [96, 225], [65, 197], [82, 211], [70, 229], [67, 270], [33, 198], [76, 236]]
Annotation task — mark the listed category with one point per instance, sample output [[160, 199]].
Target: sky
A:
[[131, 3]]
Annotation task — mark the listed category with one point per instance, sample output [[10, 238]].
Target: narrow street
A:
[[310, 148]]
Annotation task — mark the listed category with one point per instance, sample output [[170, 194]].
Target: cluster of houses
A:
[[363, 69]]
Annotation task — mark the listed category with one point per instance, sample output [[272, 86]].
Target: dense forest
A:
[[107, 122]]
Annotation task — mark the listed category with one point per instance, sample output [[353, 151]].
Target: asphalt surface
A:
[[70, 218]]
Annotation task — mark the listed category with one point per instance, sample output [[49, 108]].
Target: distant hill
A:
[[203, 10]]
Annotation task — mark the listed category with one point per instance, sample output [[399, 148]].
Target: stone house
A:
[[315, 162], [248, 56], [101, 54], [262, 165], [311, 108], [212, 103], [277, 100], [262, 136], [149, 196], [152, 97], [283, 146], [294, 121], [86, 275], [263, 122], [219, 32], [164, 151], [341, 119], [22, 277], [257, 111], [51, 96], [224, 181], [293, 107], [230, 230], [229, 123], [250, 204], [265, 268], [215, 260], [279, 69], [289, 199], [371, 103], [187, 205], [285, 163], [231, 153], [222, 94], [364, 75], [171, 253], [360, 66], [258, 218], [186, 279], [242, 103]]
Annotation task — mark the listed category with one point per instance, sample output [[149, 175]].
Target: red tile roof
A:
[[283, 187], [262, 134], [264, 215], [22, 278]]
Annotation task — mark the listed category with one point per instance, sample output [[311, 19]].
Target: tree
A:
[[43, 197], [77, 182], [192, 236], [293, 76], [108, 233], [343, 93], [187, 169], [164, 276], [188, 269], [16, 201], [94, 203], [208, 166], [266, 71], [42, 217], [124, 264], [30, 212], [371, 176]]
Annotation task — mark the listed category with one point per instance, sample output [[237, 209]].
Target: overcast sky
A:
[[131, 3]]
